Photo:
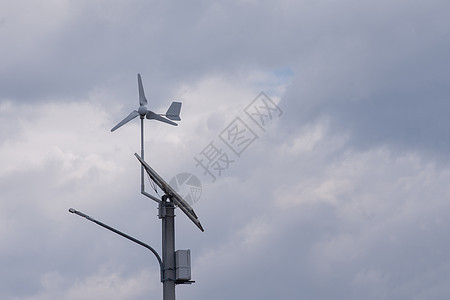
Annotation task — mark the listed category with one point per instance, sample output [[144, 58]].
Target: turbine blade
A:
[[142, 99], [173, 112], [130, 117], [152, 115]]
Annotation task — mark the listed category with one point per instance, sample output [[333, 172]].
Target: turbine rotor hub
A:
[[142, 110]]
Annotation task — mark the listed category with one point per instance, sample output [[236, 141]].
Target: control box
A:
[[183, 265]]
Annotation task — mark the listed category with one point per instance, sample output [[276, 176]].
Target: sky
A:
[[327, 120]]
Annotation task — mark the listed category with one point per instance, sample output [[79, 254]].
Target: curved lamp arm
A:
[[122, 234]]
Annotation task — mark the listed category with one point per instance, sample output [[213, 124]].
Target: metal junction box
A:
[[183, 265]]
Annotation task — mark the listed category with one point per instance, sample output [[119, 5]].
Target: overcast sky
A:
[[342, 193]]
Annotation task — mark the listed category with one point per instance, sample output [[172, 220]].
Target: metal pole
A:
[[167, 213], [142, 154]]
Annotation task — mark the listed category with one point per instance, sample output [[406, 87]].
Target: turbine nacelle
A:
[[173, 113]]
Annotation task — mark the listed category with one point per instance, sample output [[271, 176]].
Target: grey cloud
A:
[[338, 200], [382, 84]]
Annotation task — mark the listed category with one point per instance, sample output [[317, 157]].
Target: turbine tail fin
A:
[[173, 113]]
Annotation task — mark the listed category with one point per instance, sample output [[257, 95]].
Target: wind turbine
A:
[[173, 113]]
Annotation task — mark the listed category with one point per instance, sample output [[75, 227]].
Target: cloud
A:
[[378, 74], [61, 155], [105, 284], [343, 196], [362, 223]]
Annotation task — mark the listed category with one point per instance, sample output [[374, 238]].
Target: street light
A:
[[74, 211], [174, 265]]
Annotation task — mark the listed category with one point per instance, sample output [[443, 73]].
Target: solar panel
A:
[[171, 193]]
